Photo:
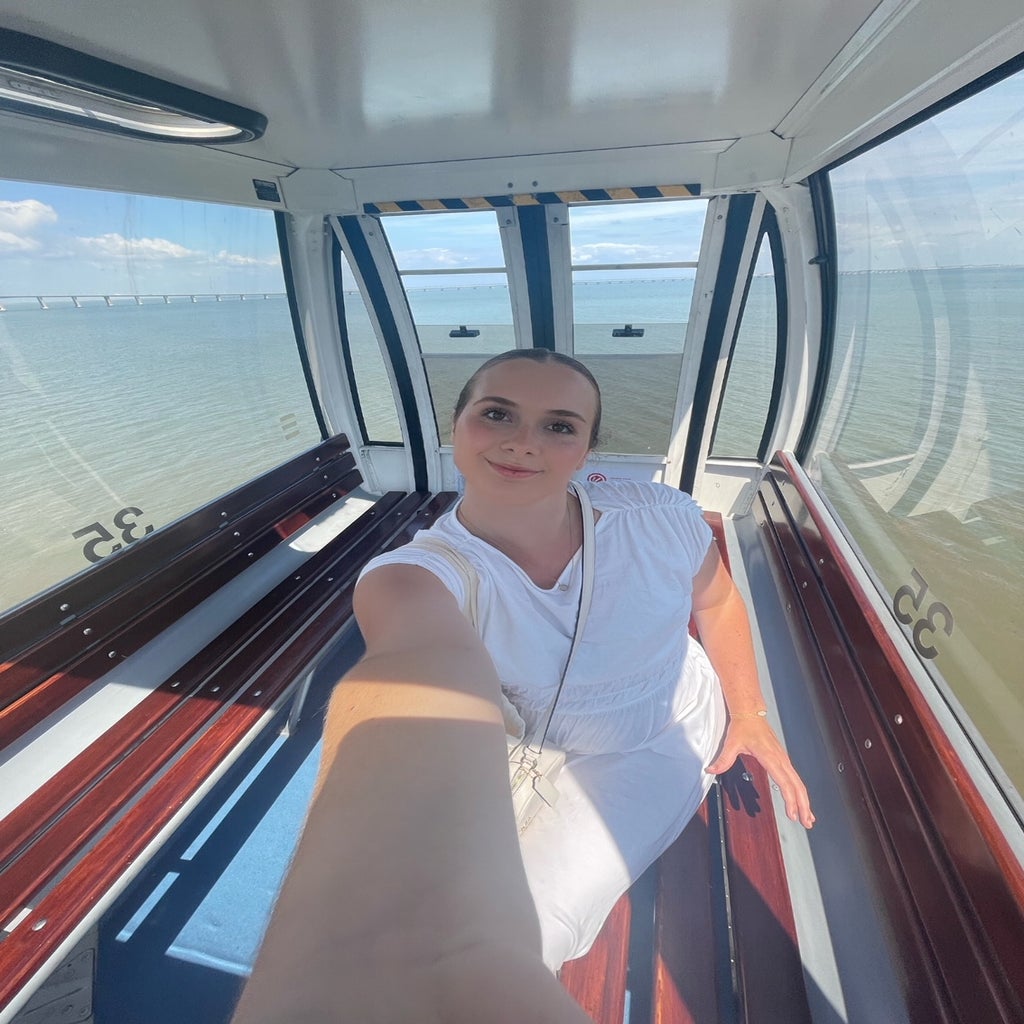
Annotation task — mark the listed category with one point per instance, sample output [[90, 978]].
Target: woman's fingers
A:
[[758, 739]]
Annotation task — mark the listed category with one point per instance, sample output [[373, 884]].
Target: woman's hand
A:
[[756, 738]]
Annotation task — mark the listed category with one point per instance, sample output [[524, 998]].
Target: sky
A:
[[948, 193]]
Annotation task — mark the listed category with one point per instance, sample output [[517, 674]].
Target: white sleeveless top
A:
[[630, 678]]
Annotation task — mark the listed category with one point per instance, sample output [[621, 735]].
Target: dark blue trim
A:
[[377, 296], [648, 192], [409, 206], [827, 263], [594, 194], [548, 198], [737, 222], [770, 228], [497, 201], [293, 308], [454, 204], [533, 230]]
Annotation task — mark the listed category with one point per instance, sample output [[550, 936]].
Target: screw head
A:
[[898, 719]]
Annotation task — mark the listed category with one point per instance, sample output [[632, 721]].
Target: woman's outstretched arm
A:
[[407, 899], [724, 628]]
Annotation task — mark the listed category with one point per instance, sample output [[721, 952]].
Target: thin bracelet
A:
[[749, 714]]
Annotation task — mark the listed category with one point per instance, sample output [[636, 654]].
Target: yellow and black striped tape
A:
[[585, 195]]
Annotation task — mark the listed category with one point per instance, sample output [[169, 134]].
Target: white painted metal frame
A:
[[390, 467]]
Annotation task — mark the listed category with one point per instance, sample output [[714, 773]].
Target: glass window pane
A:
[[919, 447], [453, 269], [748, 387], [373, 386], [633, 272], [147, 365]]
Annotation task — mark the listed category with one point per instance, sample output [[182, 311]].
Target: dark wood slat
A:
[[597, 981], [38, 937], [685, 989], [138, 623], [37, 617], [769, 971]]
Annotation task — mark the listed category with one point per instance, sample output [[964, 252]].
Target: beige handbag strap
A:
[[471, 584]]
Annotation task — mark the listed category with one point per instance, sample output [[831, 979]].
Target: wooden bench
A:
[[720, 900], [950, 889], [76, 840]]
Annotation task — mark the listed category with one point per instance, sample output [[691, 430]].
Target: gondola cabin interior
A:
[[248, 252]]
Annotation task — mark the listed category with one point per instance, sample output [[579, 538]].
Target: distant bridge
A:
[[140, 299]]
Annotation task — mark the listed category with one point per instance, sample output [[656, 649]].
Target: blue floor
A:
[[178, 946]]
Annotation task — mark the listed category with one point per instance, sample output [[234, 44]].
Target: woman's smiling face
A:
[[525, 430]]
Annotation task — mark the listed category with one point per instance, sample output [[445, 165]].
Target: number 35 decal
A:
[[125, 521], [938, 616]]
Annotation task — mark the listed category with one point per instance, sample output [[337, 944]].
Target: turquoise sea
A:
[[163, 406], [119, 419]]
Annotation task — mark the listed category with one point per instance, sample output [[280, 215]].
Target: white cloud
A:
[[25, 215], [623, 252], [233, 259], [18, 222], [113, 244], [10, 242], [429, 258]]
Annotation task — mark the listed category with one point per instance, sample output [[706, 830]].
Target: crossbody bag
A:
[[533, 764]]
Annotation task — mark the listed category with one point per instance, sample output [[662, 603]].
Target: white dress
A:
[[640, 715]]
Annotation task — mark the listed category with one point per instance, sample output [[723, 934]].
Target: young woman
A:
[[410, 897]]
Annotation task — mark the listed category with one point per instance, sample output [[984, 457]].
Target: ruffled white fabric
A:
[[641, 712]]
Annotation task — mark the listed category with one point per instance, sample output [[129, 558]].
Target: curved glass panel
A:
[[453, 268], [919, 448], [147, 365], [633, 268], [748, 387], [373, 386]]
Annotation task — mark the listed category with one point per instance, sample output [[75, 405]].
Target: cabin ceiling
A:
[[407, 99]]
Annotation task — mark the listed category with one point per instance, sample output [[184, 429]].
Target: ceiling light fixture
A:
[[41, 79]]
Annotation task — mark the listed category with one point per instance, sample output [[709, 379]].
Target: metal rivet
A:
[[333, 495], [65, 607], [318, 458], [298, 577], [533, 184], [256, 693], [839, 767], [111, 654], [789, 607], [330, 579], [175, 684], [898, 719], [87, 631], [746, 776], [509, 185], [867, 744], [821, 561], [215, 689], [803, 586], [249, 554], [223, 515], [236, 534], [39, 925]]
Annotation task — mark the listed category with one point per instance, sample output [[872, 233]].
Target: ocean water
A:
[[119, 419]]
